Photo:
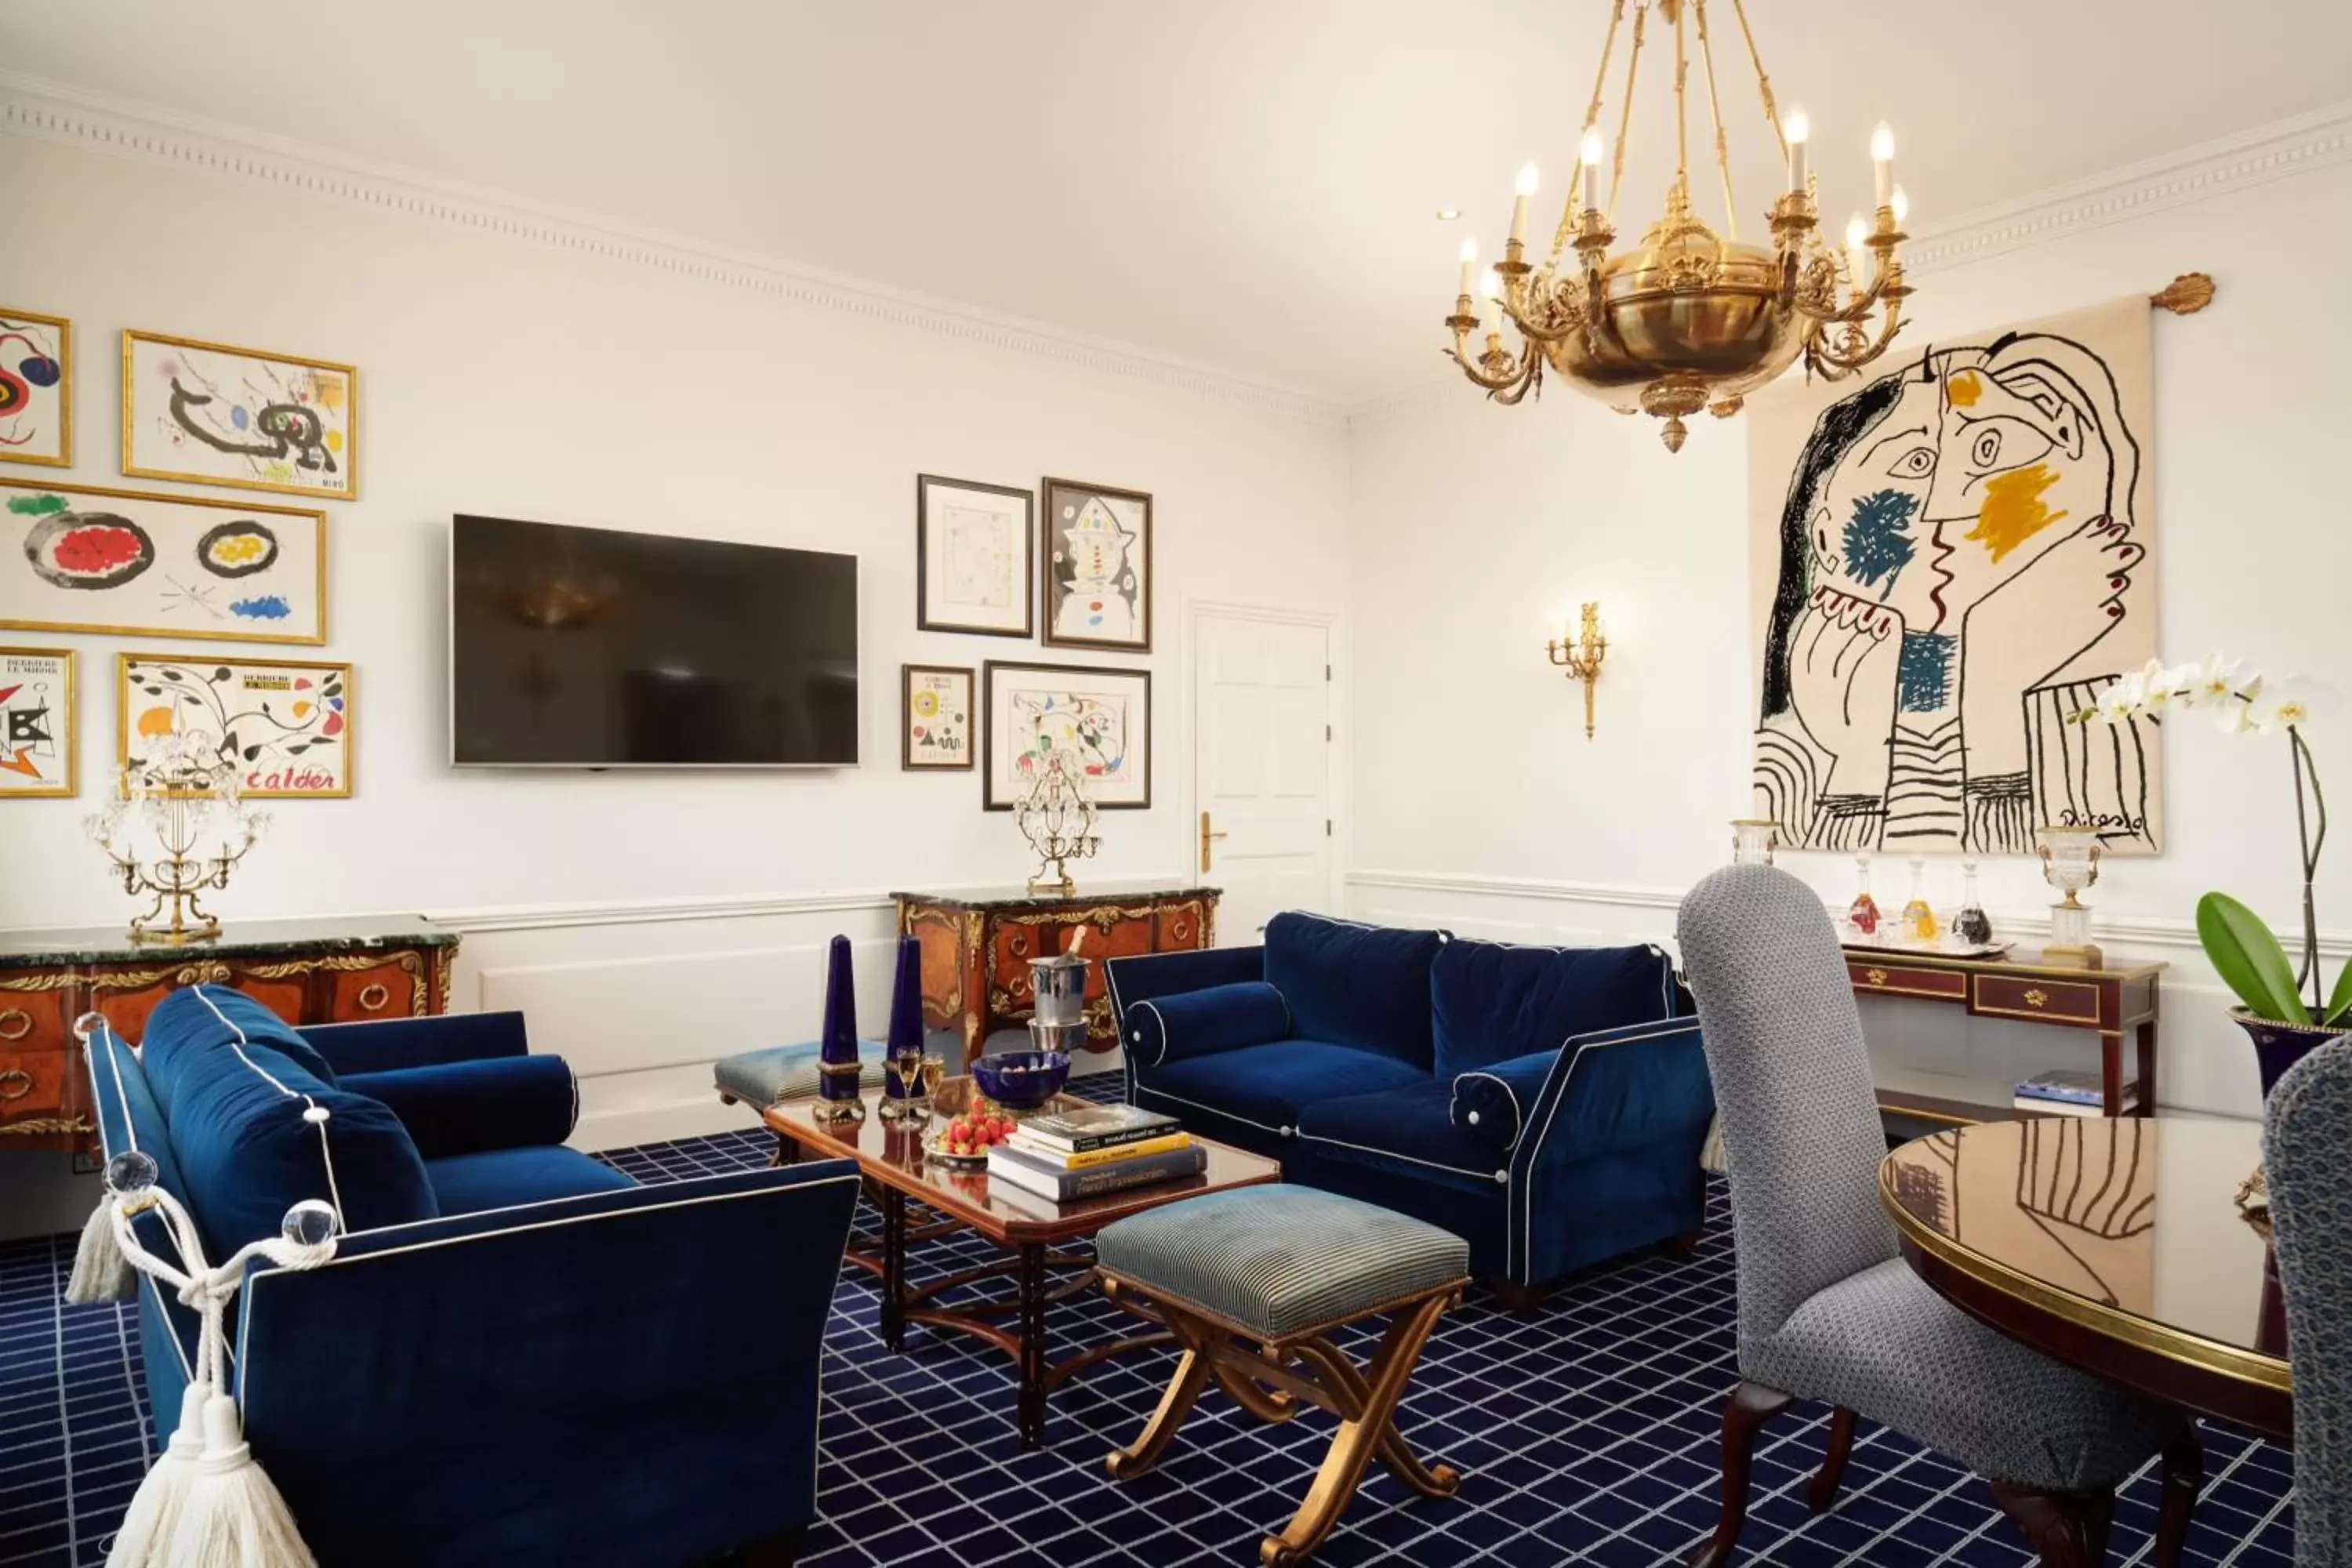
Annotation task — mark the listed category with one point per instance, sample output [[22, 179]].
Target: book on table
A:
[[1027, 1171], [1090, 1159], [2070, 1094], [1086, 1129]]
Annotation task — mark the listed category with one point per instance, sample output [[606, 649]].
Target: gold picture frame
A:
[[15, 387], [339, 456], [348, 732], [16, 592], [68, 739]]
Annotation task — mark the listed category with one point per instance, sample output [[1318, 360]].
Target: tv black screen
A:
[[588, 647]]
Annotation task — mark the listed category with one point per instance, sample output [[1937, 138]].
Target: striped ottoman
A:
[[761, 1077], [1251, 1283]]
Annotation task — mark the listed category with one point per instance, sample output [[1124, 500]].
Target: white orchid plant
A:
[[2244, 950]]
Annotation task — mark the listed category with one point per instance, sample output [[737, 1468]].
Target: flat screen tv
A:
[[587, 647]]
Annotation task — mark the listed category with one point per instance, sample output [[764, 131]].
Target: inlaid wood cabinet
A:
[[307, 972]]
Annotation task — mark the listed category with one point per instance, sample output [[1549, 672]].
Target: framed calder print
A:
[[213, 414], [38, 737], [79, 559], [1102, 717], [1097, 566], [286, 723], [972, 548], [935, 716], [37, 366]]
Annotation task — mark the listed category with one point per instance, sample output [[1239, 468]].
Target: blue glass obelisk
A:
[[837, 1066], [902, 1078]]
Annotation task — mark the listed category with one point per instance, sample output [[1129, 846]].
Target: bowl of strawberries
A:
[[969, 1135]]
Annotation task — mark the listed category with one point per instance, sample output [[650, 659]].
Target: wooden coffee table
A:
[[1031, 1228]]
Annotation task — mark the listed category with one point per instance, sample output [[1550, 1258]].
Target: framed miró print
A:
[[212, 415], [1101, 717], [38, 737], [1097, 566], [973, 544], [285, 723], [935, 726], [37, 366], [79, 559]]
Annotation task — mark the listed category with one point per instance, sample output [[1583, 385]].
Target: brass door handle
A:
[[15, 1023], [1206, 838], [16, 1084], [372, 997]]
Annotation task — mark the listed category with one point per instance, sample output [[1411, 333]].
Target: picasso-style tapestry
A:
[[1100, 718], [214, 415], [79, 559], [287, 724], [1945, 561]]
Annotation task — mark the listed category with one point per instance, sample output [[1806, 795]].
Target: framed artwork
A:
[[973, 548], [1103, 717], [37, 734], [213, 414], [79, 559], [285, 723], [1945, 560], [1097, 556], [934, 716], [37, 368]]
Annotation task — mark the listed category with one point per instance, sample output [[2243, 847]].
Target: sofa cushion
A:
[[1489, 1001], [196, 1019], [465, 1108], [503, 1178], [1214, 1018], [1491, 1105], [1366, 987], [1268, 1086], [1405, 1130], [242, 1117]]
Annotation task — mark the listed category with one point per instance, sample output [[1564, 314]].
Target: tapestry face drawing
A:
[[1945, 563]]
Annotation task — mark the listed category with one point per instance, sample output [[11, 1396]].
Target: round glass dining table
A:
[[2114, 1243]]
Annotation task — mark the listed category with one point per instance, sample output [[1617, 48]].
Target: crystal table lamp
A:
[[182, 797], [2070, 863]]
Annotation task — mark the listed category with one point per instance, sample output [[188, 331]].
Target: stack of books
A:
[[2072, 1094], [1100, 1149]]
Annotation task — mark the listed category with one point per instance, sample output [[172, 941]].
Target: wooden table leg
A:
[[894, 1269], [1032, 1345], [2144, 1048]]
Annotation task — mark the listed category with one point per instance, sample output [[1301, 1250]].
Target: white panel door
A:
[[1262, 769]]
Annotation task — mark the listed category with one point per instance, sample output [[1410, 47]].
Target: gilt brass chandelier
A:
[[1688, 320]]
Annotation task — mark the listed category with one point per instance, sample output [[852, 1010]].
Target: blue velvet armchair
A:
[[516, 1354], [1547, 1104]]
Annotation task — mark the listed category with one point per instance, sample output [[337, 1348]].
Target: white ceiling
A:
[[1248, 183]]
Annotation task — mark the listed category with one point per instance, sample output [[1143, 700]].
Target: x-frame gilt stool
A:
[[1252, 1284]]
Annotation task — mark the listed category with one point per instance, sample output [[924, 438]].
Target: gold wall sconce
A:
[[1582, 659]]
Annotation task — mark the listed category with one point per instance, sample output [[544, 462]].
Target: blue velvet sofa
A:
[[1546, 1104], [516, 1354]]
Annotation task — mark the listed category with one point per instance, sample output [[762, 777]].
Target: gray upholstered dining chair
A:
[[1828, 1309], [2306, 1129]]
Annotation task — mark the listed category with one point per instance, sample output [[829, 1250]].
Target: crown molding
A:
[[2281, 150], [41, 110]]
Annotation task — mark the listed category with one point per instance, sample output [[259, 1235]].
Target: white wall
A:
[[1475, 528], [648, 921]]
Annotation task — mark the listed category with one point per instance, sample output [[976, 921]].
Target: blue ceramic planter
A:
[[2278, 1046]]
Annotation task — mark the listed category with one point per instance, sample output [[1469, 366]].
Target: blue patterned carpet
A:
[[1586, 1433]]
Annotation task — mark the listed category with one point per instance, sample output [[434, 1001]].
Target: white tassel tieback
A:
[[100, 1272], [207, 1503]]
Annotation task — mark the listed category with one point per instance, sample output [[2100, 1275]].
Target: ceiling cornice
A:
[[47, 111], [2278, 150]]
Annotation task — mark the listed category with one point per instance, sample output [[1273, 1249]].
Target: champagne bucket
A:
[[1060, 985], [1053, 1035]]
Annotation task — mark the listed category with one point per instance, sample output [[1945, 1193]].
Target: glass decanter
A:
[[1863, 912], [1971, 925], [1919, 918]]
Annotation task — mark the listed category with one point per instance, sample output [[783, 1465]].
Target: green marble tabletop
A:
[[27, 949]]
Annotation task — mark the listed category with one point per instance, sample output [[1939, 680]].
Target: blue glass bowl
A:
[[1021, 1080]]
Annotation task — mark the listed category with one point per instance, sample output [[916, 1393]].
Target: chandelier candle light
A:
[[1582, 659], [1058, 821], [183, 794], [1687, 319]]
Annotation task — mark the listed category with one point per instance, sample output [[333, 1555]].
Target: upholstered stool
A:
[[761, 1077], [1252, 1282]]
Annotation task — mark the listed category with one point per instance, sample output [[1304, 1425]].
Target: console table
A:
[[2029, 987], [307, 972], [977, 945]]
